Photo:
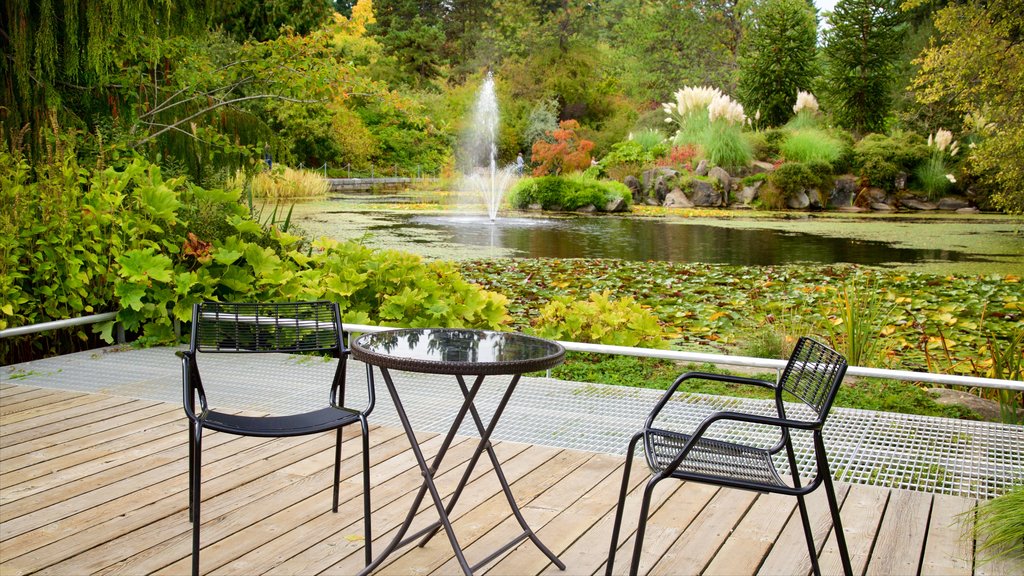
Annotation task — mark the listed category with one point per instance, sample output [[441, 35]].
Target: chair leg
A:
[[194, 488], [621, 504], [367, 532], [837, 523], [337, 471], [645, 507], [809, 534], [191, 469]]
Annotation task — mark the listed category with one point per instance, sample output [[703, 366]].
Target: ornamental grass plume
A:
[[724, 107], [805, 101], [691, 98]]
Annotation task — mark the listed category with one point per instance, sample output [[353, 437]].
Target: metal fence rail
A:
[[676, 355]]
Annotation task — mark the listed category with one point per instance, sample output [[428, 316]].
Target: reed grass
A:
[[284, 183]]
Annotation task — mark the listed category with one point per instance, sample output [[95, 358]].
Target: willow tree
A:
[[62, 57]]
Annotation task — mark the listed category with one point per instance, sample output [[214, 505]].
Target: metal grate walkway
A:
[[940, 455]]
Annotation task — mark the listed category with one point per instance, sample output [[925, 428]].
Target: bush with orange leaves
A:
[[567, 152]]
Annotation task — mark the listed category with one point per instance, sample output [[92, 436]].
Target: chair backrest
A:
[[293, 327], [813, 374]]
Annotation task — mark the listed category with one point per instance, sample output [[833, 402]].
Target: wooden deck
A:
[[97, 484]]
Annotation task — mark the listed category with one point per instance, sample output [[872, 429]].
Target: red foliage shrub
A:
[[568, 152]]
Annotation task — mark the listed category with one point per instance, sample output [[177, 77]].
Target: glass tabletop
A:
[[457, 351]]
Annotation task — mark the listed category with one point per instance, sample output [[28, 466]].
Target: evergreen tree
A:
[[777, 58], [411, 32], [861, 53]]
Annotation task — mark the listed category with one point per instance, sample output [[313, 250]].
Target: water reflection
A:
[[641, 239]]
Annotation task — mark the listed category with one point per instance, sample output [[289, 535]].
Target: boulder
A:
[[618, 204], [676, 199], [901, 181], [968, 210], [759, 167], [952, 203], [869, 196], [814, 199], [843, 191], [705, 195], [881, 207], [660, 190], [635, 187], [702, 168], [722, 177], [917, 204], [748, 194], [535, 207], [588, 209], [798, 201]]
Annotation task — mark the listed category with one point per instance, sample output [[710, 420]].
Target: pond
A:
[[936, 243]]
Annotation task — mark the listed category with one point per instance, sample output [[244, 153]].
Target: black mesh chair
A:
[[293, 328], [812, 375]]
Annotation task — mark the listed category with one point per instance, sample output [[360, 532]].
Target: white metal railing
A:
[[677, 355], [766, 363]]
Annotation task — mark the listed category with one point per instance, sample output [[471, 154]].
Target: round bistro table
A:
[[460, 353]]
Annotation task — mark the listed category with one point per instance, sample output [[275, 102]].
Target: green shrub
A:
[[811, 144], [567, 192], [933, 176], [600, 320], [793, 177], [878, 158]]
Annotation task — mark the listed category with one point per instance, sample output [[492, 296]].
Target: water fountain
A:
[[482, 173]]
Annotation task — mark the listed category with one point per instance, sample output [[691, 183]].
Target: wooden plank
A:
[[78, 407], [521, 472], [50, 411], [861, 514], [667, 524], [900, 541], [947, 551], [167, 541], [393, 473], [574, 520], [589, 552], [239, 462], [52, 453], [788, 555], [755, 535], [27, 399], [696, 546], [390, 506], [491, 525], [68, 422]]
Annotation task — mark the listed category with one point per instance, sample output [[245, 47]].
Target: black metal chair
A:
[[812, 375], [293, 328]]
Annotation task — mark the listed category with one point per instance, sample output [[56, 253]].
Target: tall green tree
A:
[[664, 44], [976, 67], [263, 19], [862, 47], [412, 35], [777, 58]]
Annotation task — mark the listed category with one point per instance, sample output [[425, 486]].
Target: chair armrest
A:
[[191, 385], [702, 376], [698, 434]]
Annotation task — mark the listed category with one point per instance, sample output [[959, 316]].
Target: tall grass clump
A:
[[999, 527], [933, 174], [282, 183], [811, 145], [690, 113], [859, 311]]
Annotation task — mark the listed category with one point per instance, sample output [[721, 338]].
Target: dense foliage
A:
[[777, 58], [862, 45], [567, 193]]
